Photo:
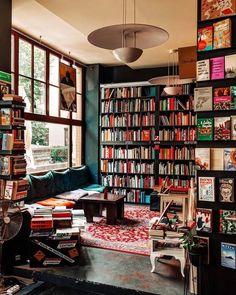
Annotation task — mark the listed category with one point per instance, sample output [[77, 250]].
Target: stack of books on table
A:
[[42, 220], [62, 217]]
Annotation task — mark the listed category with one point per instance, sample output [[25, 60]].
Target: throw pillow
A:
[[79, 177], [61, 181], [42, 186]]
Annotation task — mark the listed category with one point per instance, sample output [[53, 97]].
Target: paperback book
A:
[[202, 158], [230, 66], [228, 222], [233, 97], [226, 190], [222, 34], [203, 99], [233, 127], [215, 8], [230, 159], [217, 65], [222, 128], [203, 70], [222, 98], [228, 255], [204, 128], [217, 158], [206, 189], [205, 38], [204, 220]]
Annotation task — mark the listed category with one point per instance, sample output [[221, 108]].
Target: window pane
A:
[[25, 58], [39, 64], [79, 79], [76, 146], [12, 53], [78, 115], [46, 150], [54, 70], [65, 114], [53, 101], [12, 83], [39, 98], [25, 92]]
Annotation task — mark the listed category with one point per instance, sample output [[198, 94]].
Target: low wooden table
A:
[[114, 205]]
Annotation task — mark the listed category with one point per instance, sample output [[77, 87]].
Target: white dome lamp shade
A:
[[127, 54]]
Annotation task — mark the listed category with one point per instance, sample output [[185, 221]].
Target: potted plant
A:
[[196, 248]]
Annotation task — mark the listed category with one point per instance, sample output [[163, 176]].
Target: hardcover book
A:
[[228, 255], [203, 70], [230, 66], [222, 34], [205, 38], [222, 128], [215, 8], [230, 159], [204, 220], [202, 158], [233, 127], [226, 190], [204, 128], [222, 98], [228, 222], [203, 99], [217, 65], [5, 165], [206, 189]]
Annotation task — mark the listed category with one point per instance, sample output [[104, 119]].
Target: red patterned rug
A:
[[129, 235]]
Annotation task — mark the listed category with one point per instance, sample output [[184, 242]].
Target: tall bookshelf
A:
[[177, 139], [215, 146], [127, 132]]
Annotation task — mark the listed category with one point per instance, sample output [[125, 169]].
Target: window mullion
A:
[[47, 83], [32, 77]]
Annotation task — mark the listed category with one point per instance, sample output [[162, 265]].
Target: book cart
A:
[[127, 132], [216, 111]]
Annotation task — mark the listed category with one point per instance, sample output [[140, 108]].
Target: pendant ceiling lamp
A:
[[172, 81], [127, 40]]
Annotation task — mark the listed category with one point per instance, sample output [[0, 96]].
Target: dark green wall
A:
[[5, 35]]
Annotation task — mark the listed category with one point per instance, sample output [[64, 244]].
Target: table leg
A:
[[111, 213], [88, 211], [120, 210], [153, 258]]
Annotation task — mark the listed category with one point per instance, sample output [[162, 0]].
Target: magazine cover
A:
[[230, 66], [226, 190], [222, 34], [205, 38], [228, 255], [222, 98], [206, 189], [203, 70], [204, 128], [215, 8], [202, 158], [217, 68], [230, 159], [203, 99], [222, 128], [228, 222], [233, 97], [204, 220]]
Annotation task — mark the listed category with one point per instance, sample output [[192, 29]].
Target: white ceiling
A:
[[65, 25]]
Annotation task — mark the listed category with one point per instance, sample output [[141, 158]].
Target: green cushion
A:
[[61, 181], [79, 177], [29, 192], [42, 186], [93, 187]]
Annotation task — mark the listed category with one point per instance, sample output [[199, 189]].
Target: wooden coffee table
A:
[[114, 205]]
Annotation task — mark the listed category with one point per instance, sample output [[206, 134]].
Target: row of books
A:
[[178, 119], [216, 159], [133, 196], [131, 105], [173, 104], [126, 167], [223, 67], [217, 128], [178, 134], [175, 182], [108, 152], [128, 181], [127, 120], [216, 36], [9, 116], [127, 92], [177, 169], [177, 153], [12, 165], [127, 135], [218, 98], [14, 189]]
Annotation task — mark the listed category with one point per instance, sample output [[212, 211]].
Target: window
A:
[[53, 136]]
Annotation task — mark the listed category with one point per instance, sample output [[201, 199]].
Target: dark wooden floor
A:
[[109, 272]]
